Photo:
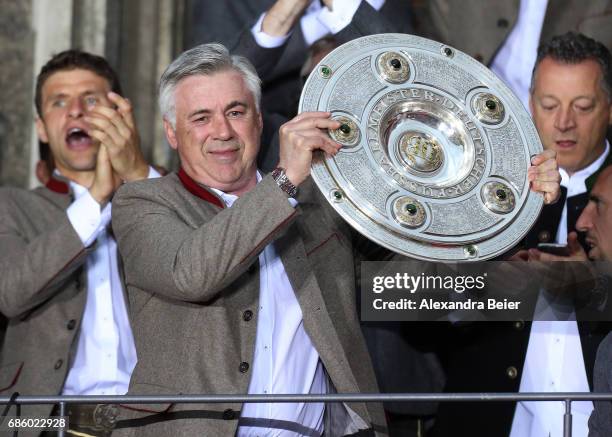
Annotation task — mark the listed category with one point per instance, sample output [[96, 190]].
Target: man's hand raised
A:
[[116, 130], [282, 16], [544, 175], [300, 137], [106, 180]]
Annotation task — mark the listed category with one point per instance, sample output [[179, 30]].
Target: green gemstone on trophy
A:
[[411, 208], [345, 129], [501, 194]]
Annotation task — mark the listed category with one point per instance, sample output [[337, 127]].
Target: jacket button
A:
[[229, 414], [511, 372], [58, 364], [502, 22], [544, 236], [247, 315], [71, 324], [519, 325], [244, 367]]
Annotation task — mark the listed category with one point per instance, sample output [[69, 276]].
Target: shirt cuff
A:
[[340, 17], [313, 29], [343, 13], [263, 39], [87, 219]]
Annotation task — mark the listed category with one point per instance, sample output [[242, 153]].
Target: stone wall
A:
[[16, 52]]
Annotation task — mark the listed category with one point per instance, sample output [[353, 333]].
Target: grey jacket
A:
[[42, 292], [193, 283]]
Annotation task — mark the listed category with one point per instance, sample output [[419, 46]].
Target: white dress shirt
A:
[[554, 361], [285, 360], [316, 22], [105, 355], [515, 60]]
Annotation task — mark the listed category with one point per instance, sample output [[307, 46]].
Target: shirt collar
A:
[[229, 199], [58, 183], [577, 180]]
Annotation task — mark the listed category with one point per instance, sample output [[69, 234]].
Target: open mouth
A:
[[77, 138]]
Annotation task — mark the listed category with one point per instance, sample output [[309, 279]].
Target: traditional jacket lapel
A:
[[317, 320], [198, 190]]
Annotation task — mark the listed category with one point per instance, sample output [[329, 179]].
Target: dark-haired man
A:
[[571, 103], [60, 282], [596, 220]]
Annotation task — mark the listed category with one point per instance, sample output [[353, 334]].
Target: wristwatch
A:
[[283, 181]]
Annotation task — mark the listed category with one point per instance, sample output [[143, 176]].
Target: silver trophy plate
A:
[[435, 148]]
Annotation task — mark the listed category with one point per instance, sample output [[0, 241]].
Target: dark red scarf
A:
[[57, 186], [196, 189]]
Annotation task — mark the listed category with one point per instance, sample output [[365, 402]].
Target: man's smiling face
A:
[[217, 132]]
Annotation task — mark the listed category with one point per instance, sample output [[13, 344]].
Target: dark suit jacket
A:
[[42, 291], [600, 423], [479, 29], [192, 276], [546, 227]]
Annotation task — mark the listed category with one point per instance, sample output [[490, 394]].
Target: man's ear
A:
[[170, 134], [260, 118], [41, 130]]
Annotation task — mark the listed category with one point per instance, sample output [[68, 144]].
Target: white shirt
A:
[[316, 22], [554, 361], [285, 360], [515, 60], [105, 355]]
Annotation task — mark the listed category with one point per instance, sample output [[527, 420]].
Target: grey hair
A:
[[205, 60]]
